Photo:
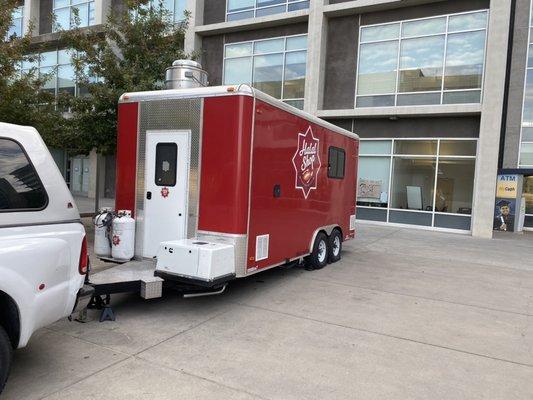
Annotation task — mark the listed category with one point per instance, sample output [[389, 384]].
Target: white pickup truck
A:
[[43, 249]]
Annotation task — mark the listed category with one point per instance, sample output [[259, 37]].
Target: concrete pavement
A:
[[406, 314]]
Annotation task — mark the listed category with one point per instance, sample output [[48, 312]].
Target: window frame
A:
[[334, 151], [391, 155], [70, 6], [256, 7], [175, 178], [399, 41], [30, 163], [283, 52]]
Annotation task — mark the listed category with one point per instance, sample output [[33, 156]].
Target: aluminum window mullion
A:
[[398, 65], [389, 195], [283, 69], [435, 186], [444, 61]]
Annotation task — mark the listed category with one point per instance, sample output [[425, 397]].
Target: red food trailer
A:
[[227, 181]]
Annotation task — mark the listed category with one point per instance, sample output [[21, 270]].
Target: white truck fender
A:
[[35, 273]]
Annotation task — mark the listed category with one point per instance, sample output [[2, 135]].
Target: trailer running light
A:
[[231, 89], [84, 258]]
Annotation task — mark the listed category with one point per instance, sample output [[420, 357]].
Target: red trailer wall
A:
[[128, 114], [225, 161], [291, 219]]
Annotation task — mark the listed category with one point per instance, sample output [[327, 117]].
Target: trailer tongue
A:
[[224, 182]]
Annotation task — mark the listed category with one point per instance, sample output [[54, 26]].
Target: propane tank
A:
[[123, 239], [102, 232]]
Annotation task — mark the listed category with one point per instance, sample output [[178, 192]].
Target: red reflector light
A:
[[84, 258]]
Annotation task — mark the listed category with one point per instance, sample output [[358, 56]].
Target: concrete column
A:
[[491, 118], [31, 17], [102, 9], [193, 41], [316, 57]]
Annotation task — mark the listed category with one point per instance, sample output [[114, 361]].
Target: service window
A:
[[20, 186], [166, 158], [336, 161]]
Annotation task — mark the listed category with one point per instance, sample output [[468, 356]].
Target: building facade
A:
[[425, 83]]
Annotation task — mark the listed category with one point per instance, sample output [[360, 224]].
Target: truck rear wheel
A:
[[319, 257], [6, 353], [335, 244]]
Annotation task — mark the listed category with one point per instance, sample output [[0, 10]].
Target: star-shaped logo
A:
[[306, 162]]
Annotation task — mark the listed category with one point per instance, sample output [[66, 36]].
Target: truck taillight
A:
[[84, 258]]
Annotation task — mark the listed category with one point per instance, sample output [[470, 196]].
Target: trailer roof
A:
[[232, 90]]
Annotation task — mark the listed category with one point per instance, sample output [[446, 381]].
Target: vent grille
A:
[[261, 247]]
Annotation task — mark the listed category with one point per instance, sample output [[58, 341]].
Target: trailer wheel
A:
[[335, 244], [319, 257], [6, 353]]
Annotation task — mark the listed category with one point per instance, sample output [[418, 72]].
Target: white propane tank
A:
[[102, 232], [123, 239]]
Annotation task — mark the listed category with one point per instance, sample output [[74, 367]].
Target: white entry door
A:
[[166, 188]]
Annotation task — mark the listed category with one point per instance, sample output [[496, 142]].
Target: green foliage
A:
[[22, 100], [129, 53]]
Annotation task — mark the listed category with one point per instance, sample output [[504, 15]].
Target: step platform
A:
[[135, 276]]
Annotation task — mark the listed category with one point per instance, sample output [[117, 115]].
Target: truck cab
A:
[[43, 248]]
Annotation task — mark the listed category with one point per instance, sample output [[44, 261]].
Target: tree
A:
[[22, 100], [129, 53]]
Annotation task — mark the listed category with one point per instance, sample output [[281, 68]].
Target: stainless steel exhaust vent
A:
[[185, 74]]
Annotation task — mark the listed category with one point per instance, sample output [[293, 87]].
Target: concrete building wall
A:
[[45, 16], [517, 71], [341, 63], [214, 11]]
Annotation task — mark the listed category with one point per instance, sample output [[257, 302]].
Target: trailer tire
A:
[[6, 354], [335, 245], [318, 259]]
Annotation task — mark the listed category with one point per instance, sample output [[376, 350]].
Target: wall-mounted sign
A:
[[507, 187], [370, 189]]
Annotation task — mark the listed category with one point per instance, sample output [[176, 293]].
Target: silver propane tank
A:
[[102, 232], [123, 239]]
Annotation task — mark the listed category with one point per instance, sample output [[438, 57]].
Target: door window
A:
[[166, 157], [20, 186]]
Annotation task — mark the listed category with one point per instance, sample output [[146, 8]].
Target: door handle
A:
[[148, 195]]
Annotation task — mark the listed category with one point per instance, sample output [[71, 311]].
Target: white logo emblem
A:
[[306, 162]]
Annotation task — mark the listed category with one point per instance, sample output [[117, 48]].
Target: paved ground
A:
[[407, 314]]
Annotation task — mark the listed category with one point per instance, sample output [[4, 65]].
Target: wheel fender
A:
[[327, 228]]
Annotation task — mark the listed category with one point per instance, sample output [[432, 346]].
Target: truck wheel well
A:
[[9, 318]]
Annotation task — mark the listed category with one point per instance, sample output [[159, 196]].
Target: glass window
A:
[[237, 70], [373, 182], [457, 148], [465, 57], [294, 81], [73, 13], [380, 32], [16, 27], [455, 179], [241, 9], [416, 147], [413, 183], [419, 57], [375, 147], [166, 158], [20, 186], [526, 154], [421, 64], [424, 27], [423, 184], [267, 74], [239, 50], [336, 161], [269, 46], [275, 66], [466, 22], [528, 193], [377, 68]]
